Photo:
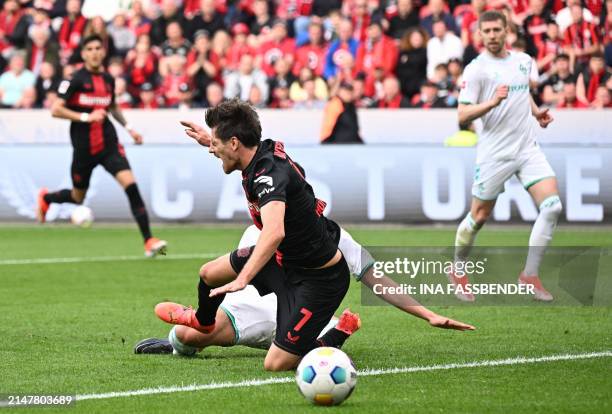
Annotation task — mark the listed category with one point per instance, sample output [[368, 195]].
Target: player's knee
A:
[[277, 364], [552, 207], [481, 216], [205, 273]]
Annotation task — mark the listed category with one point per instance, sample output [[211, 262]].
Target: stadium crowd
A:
[[298, 53]]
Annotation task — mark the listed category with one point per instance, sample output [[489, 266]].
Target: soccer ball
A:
[[82, 216], [326, 376]]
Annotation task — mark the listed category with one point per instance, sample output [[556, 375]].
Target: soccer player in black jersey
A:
[[87, 100], [295, 257]]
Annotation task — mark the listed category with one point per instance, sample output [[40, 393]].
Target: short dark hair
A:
[[235, 118], [492, 16], [92, 38]]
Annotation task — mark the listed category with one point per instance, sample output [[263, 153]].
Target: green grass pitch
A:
[[69, 328]]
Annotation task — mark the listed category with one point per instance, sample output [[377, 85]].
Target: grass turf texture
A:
[[70, 328]]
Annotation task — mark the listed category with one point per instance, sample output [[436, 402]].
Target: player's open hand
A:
[[543, 117], [501, 93], [233, 286], [97, 115], [443, 322], [135, 136], [196, 132]]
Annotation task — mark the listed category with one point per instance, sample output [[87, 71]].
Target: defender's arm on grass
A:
[[272, 234], [411, 306]]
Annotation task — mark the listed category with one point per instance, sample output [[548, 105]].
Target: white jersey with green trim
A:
[[508, 128]]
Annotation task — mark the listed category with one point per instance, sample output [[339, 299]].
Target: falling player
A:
[[86, 100], [496, 89], [295, 256], [248, 319]]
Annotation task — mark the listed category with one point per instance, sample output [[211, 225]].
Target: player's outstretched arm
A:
[[272, 234], [197, 132], [118, 115], [411, 306], [469, 112]]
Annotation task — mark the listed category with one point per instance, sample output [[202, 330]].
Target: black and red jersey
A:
[[85, 92], [273, 176]]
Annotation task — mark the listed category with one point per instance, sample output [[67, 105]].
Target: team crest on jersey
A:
[[523, 69]]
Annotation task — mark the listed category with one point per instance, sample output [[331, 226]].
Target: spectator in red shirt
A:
[[551, 48], [141, 63], [569, 99], [71, 30], [535, 27], [278, 46], [392, 95], [239, 46], [9, 16], [580, 39], [469, 21], [172, 71], [361, 19], [591, 78], [376, 52], [312, 54]]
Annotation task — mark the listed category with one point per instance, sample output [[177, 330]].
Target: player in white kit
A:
[[496, 89]]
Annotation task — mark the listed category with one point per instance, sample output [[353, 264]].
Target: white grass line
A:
[[364, 373], [61, 260]]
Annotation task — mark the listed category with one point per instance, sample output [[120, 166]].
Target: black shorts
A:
[[306, 298], [113, 160]]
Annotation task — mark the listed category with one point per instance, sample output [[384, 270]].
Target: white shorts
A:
[[254, 317], [490, 176]]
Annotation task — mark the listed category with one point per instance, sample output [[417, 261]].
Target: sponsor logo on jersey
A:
[[265, 191], [88, 100], [265, 179]]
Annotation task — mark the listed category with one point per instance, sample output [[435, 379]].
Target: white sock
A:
[[541, 233], [466, 234], [179, 347]]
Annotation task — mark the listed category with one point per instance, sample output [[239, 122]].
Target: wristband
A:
[[84, 117]]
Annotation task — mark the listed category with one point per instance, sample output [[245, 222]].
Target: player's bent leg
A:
[[278, 359], [545, 194], [44, 200], [187, 341]]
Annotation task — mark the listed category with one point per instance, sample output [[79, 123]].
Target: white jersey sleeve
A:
[[470, 86]]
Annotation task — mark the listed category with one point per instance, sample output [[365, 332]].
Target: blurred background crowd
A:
[[299, 53]]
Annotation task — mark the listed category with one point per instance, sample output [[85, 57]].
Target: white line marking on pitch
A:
[[60, 260], [364, 373]]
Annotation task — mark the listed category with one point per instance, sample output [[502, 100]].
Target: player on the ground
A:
[[245, 318], [496, 89], [87, 100], [295, 257]]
